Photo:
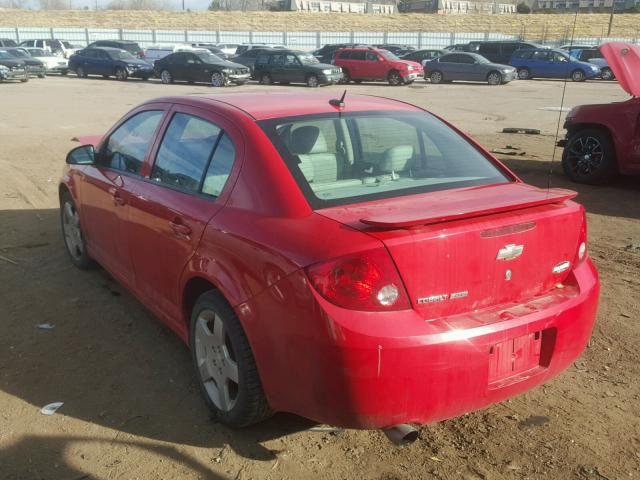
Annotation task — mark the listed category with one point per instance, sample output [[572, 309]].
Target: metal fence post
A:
[[352, 37], [452, 38], [153, 36], [285, 39], [51, 33], [217, 36], [86, 36], [17, 35], [318, 40], [120, 34], [419, 40], [250, 37], [385, 36], [186, 36]]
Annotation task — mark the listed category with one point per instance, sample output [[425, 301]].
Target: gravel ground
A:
[[131, 407]]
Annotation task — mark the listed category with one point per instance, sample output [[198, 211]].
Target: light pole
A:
[[613, 7]]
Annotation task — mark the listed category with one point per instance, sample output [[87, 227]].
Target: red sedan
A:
[[359, 262]]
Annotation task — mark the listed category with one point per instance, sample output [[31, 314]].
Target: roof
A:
[[266, 105]]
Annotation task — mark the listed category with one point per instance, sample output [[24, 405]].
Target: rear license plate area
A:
[[516, 359]]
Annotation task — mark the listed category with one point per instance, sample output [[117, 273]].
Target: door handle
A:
[[180, 229]]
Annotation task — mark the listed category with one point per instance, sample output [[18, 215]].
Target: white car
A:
[[228, 48], [250, 46], [156, 52], [52, 63], [61, 48]]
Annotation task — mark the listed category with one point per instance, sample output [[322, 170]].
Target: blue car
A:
[[109, 62], [551, 63], [593, 55]]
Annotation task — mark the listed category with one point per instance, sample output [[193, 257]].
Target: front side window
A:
[[195, 156], [128, 145], [307, 59], [353, 157]]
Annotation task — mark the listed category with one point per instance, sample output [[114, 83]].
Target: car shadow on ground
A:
[[595, 198], [107, 358]]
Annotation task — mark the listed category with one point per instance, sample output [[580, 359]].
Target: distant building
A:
[[584, 5], [344, 7], [455, 7]]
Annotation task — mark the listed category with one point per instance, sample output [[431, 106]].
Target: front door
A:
[[106, 191], [375, 67], [173, 204], [559, 65]]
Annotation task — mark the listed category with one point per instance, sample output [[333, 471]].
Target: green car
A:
[[294, 66]]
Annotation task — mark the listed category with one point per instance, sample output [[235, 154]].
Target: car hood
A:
[[498, 65], [11, 63], [624, 60], [32, 61], [408, 62], [321, 66]]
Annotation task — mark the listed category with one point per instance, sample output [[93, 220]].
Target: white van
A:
[[156, 52]]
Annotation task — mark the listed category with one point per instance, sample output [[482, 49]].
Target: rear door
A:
[[183, 188], [293, 70], [375, 66], [106, 188]]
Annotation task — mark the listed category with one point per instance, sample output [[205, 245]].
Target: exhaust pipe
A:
[[402, 434]]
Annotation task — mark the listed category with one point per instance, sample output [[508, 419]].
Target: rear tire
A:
[[589, 157], [524, 74], [224, 364]]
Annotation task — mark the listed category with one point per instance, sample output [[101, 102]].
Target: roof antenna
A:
[[338, 102]]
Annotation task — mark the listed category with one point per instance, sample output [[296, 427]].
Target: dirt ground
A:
[[131, 407]]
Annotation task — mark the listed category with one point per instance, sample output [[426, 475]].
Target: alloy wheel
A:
[[165, 77], [217, 79], [121, 74], [607, 74], [523, 74], [585, 155], [435, 77], [494, 78], [394, 78], [216, 360], [72, 232], [577, 76], [312, 81]]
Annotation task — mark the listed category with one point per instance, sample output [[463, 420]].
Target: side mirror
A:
[[83, 155]]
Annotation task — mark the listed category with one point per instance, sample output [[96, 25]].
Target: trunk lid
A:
[[467, 249]]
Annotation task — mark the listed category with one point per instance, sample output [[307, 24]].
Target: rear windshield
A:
[[353, 157]]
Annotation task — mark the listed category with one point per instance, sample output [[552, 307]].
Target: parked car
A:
[[458, 47], [468, 67], [294, 66], [500, 51], [213, 49], [109, 62], [603, 140], [156, 52], [228, 48], [248, 46], [295, 232], [62, 48], [248, 58], [52, 63], [593, 55], [551, 63], [7, 42], [422, 56], [35, 67], [368, 63], [200, 66], [12, 68], [397, 50], [326, 53], [577, 46], [132, 47]]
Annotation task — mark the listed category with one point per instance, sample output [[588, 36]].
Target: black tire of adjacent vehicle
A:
[[394, 78], [607, 74], [84, 262], [608, 168], [251, 405], [578, 76], [312, 81], [80, 72], [346, 76], [265, 79]]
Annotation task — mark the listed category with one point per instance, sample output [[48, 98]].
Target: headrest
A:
[[308, 139], [397, 158]]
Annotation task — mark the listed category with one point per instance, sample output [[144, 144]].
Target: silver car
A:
[[469, 67]]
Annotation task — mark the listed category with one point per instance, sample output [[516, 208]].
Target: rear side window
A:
[[357, 55], [354, 157], [195, 156], [128, 145], [262, 60], [488, 48], [344, 54]]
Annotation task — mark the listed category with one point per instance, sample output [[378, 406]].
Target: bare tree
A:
[[17, 4], [53, 4], [139, 5]]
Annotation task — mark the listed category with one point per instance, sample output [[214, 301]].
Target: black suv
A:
[[500, 51], [248, 57], [294, 66], [12, 68], [326, 53], [132, 47]]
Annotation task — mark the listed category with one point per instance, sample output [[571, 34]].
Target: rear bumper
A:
[[372, 370]]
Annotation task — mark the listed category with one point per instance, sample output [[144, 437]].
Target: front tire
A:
[[494, 78], [165, 77], [218, 80], [224, 363], [589, 157], [74, 241], [312, 81], [578, 76], [121, 74], [394, 78]]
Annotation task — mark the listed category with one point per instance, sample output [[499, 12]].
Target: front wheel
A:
[[312, 81], [577, 76], [121, 74], [436, 77], [607, 74], [224, 363], [494, 78], [72, 233], [218, 80], [394, 78], [80, 72], [165, 77], [589, 157]]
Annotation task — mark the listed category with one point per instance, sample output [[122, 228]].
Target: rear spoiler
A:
[[469, 203]]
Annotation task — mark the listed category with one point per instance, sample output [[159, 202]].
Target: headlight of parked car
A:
[[327, 71], [3, 69], [409, 67], [227, 70]]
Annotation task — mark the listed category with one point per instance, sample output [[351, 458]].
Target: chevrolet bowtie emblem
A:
[[509, 252]]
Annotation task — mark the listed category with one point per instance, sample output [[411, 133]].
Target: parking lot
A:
[[131, 406]]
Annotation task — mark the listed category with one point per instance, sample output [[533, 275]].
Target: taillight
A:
[[581, 253], [366, 281]]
